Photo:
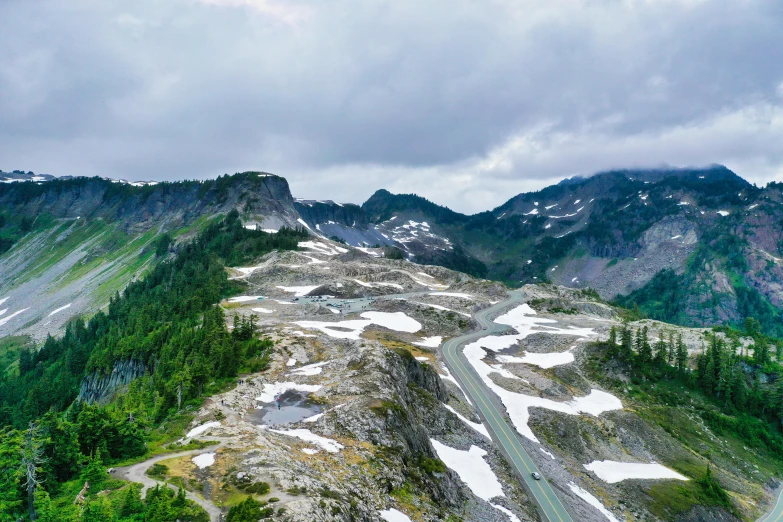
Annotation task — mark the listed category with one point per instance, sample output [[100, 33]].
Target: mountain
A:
[[223, 358], [68, 245], [705, 232]]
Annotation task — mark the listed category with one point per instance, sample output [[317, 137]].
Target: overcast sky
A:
[[466, 102]]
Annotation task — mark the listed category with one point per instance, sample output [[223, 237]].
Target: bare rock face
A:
[[99, 387]]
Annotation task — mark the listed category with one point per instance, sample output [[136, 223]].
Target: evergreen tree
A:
[[682, 355]]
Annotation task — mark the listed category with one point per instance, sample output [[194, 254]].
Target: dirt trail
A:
[[137, 473]]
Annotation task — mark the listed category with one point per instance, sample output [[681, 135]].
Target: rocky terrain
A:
[[371, 425]]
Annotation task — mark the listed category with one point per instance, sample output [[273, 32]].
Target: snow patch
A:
[[542, 360], [590, 499], [471, 468], [612, 471], [272, 389], [245, 298], [392, 515], [430, 342], [198, 430], [476, 426], [6, 319], [298, 291], [723, 213], [60, 309], [263, 310], [310, 369], [204, 460], [330, 445]]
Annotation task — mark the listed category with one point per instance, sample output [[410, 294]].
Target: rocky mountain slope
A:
[[372, 426], [70, 244], [713, 235]]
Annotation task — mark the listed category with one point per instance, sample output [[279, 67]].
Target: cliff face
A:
[[260, 197], [101, 388]]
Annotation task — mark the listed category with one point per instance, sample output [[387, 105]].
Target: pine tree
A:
[[626, 342], [682, 355], [660, 351], [612, 341], [672, 355], [645, 350], [32, 459]]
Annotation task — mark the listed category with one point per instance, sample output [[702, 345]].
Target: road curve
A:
[[504, 435], [776, 513], [138, 473]]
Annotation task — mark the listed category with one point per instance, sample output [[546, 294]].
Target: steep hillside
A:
[[70, 244]]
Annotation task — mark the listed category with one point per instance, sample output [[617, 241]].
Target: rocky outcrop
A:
[[100, 387]]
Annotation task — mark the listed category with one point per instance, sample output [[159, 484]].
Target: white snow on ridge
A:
[[330, 445], [60, 309], [612, 471], [198, 430], [298, 291], [430, 342], [542, 360], [263, 310], [471, 468], [479, 427], [6, 319], [723, 213], [392, 515], [3, 300], [590, 499], [270, 390]]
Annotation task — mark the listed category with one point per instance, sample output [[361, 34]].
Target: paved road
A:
[[494, 419], [138, 473], [776, 514]]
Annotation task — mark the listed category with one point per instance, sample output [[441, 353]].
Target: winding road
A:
[[138, 473], [776, 513], [504, 435]]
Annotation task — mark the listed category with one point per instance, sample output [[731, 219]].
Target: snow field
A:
[[523, 319], [329, 445], [612, 471], [472, 469]]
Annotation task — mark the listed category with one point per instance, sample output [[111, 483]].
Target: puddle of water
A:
[[294, 407]]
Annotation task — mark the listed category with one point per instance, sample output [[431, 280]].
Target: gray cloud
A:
[[464, 102]]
